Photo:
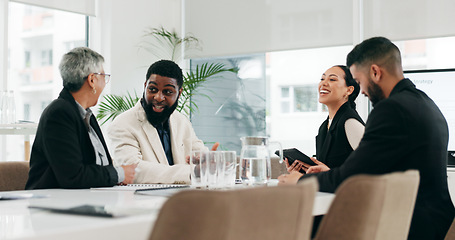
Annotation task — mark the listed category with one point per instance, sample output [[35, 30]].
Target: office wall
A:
[[117, 33], [409, 19], [235, 27]]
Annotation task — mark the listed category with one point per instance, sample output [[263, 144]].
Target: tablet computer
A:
[[293, 154]]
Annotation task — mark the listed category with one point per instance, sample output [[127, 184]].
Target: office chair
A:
[[13, 175], [371, 207], [266, 213], [451, 233]]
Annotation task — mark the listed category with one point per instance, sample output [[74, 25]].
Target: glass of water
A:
[[230, 168], [198, 166]]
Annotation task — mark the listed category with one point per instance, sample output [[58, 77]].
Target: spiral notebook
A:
[[142, 187]]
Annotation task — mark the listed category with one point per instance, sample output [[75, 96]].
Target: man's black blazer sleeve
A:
[[377, 153]]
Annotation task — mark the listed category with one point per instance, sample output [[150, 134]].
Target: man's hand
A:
[[130, 171], [289, 179], [214, 147], [320, 167]]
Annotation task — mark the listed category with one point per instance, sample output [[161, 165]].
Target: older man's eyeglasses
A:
[[107, 77]]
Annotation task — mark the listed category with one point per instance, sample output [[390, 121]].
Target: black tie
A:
[[166, 142]]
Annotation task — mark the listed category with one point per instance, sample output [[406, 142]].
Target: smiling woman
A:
[[341, 132]]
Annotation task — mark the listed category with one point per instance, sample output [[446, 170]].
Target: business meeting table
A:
[[136, 213]]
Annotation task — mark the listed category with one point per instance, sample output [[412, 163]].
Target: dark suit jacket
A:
[[62, 154], [332, 145], [405, 131]]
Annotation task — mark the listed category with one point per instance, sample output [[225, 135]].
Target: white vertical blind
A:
[[3, 43], [409, 19], [86, 7], [230, 27]]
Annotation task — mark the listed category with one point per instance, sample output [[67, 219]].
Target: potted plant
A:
[[166, 45]]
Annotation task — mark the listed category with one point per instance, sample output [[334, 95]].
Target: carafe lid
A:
[[255, 141]]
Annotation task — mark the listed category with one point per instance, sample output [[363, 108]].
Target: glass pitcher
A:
[[255, 166]]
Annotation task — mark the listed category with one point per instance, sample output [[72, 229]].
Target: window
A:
[[293, 112], [295, 99], [36, 37], [27, 59], [285, 100], [46, 57], [26, 111], [237, 105], [306, 99]]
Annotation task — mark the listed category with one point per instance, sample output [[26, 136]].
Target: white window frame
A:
[[291, 99]]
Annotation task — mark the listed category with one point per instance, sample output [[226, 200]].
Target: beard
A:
[[375, 93], [156, 118]]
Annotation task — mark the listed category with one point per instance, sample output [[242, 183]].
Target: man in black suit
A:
[[405, 130]]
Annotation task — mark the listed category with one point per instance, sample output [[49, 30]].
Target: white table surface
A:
[[17, 221]]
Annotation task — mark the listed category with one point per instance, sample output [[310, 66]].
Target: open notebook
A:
[[141, 187]]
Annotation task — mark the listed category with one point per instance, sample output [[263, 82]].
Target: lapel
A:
[[98, 132], [325, 139], [66, 95], [177, 152], [328, 138], [152, 134]]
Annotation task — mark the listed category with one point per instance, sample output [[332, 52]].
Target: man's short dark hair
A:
[[376, 50], [166, 68]]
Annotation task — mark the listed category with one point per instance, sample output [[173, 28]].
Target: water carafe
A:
[[255, 166]]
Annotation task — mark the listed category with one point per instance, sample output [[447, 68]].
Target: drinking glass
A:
[[230, 165], [198, 166], [4, 107], [215, 169]]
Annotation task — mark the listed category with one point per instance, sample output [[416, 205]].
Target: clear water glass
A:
[[198, 168], [230, 169]]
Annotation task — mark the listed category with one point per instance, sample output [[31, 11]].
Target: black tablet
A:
[[293, 154]]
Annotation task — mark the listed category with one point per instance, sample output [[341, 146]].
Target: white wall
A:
[[117, 32], [236, 27]]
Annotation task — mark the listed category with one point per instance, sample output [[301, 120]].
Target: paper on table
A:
[[97, 210], [141, 187]]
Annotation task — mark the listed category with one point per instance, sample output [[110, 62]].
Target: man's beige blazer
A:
[[134, 140]]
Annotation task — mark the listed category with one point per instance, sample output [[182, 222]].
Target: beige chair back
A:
[[266, 213], [371, 207], [13, 175], [451, 233]]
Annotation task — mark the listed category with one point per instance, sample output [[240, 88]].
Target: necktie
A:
[[166, 142], [87, 119]]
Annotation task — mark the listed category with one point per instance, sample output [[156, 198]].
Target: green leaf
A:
[[113, 105]]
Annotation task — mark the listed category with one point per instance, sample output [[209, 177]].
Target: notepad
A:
[[142, 187], [96, 210]]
